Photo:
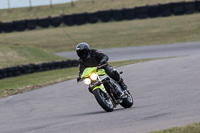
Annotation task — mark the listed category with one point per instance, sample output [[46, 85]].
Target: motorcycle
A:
[[107, 92]]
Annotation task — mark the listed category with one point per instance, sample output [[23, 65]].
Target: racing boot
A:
[[124, 88], [120, 80], [122, 84]]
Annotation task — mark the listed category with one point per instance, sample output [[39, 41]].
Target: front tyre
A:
[[106, 104], [128, 101]]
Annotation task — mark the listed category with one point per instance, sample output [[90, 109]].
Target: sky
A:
[[25, 3]]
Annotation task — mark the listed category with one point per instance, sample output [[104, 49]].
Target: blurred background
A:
[[7, 4]]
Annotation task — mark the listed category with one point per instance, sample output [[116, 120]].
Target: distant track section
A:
[[115, 54], [145, 52]]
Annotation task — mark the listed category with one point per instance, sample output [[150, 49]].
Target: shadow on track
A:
[[89, 113], [98, 112]]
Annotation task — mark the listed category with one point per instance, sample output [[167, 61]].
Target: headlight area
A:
[[87, 81], [93, 76]]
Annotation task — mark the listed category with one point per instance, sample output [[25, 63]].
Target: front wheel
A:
[[128, 101], [106, 104]]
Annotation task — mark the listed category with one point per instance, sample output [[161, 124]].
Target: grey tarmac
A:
[[145, 52], [166, 94]]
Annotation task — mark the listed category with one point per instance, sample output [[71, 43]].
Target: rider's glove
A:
[[99, 65], [78, 79], [102, 62]]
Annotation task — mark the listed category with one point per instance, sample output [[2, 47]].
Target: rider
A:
[[93, 58]]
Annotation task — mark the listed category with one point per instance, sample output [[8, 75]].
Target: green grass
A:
[[113, 34], [10, 86], [14, 85], [79, 6], [193, 128], [18, 55]]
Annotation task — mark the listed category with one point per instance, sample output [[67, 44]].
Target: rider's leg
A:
[[115, 75], [122, 84]]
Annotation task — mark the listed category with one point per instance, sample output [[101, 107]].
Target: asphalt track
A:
[[145, 52], [166, 94]]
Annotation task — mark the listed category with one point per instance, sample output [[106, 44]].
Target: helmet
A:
[[82, 50]]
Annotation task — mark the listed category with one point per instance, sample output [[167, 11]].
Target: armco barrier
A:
[[7, 27], [8, 72], [45, 66], [142, 12], [178, 8], [55, 65], [26, 69], [44, 22], [197, 3], [1, 73], [37, 67], [56, 21], [15, 71], [68, 19], [105, 16], [165, 10], [117, 15], [19, 25], [31, 24], [93, 17], [154, 11], [31, 68], [129, 14], [80, 19], [189, 7]]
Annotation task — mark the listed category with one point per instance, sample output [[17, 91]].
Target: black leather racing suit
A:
[[95, 58]]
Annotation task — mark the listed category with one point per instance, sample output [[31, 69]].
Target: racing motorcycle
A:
[[107, 91]]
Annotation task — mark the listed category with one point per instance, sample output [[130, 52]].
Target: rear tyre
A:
[[127, 102], [106, 104]]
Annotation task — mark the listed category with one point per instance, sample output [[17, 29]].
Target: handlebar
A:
[[98, 67]]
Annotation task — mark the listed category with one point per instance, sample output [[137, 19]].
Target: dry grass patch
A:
[[79, 6], [138, 32]]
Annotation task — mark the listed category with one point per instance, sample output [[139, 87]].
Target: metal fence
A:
[[8, 4]]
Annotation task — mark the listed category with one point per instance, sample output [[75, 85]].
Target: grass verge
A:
[[79, 6], [18, 55], [138, 32], [193, 128], [20, 84]]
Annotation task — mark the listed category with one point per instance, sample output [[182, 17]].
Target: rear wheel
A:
[[128, 101], [106, 104]]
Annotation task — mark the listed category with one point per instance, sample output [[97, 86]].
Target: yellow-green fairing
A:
[[100, 87], [101, 72], [88, 71]]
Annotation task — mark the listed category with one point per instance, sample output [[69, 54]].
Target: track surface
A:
[[146, 52], [166, 94]]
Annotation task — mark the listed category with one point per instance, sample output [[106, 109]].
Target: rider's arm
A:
[[102, 57], [81, 67]]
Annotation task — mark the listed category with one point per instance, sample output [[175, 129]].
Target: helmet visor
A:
[[82, 53]]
